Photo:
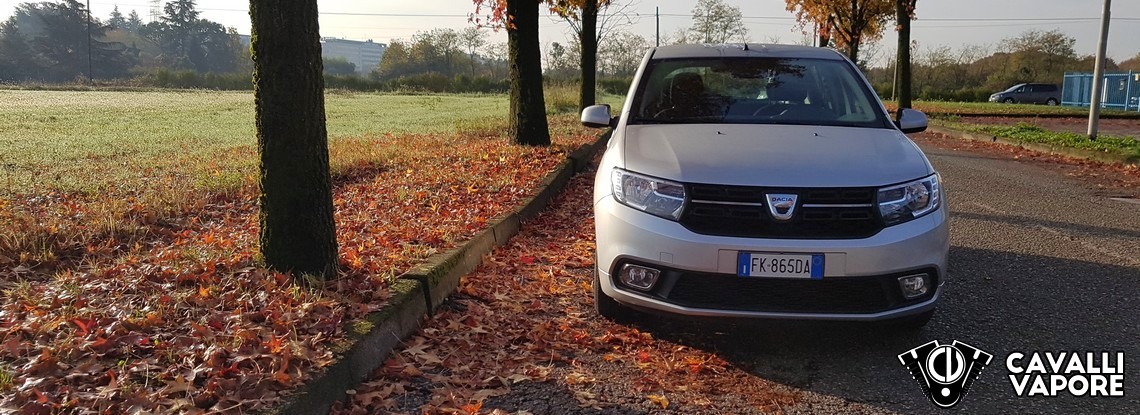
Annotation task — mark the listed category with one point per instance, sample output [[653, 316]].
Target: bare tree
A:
[[472, 38], [496, 54], [622, 55], [716, 22]]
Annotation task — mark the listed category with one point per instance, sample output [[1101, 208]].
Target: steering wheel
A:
[[774, 109], [665, 111]]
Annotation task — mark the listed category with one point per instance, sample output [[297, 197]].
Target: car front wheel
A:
[[1008, 100], [1051, 101]]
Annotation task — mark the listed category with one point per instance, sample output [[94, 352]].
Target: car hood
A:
[[773, 155]]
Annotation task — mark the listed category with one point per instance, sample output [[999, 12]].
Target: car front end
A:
[[701, 245]]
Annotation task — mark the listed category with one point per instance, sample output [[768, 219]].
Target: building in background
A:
[[1120, 91], [365, 55]]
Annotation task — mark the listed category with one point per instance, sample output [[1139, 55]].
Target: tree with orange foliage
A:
[[849, 22], [528, 125]]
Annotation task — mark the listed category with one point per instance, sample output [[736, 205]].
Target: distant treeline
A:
[[973, 72], [429, 82], [47, 43]]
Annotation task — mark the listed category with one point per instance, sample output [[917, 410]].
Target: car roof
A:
[[744, 50]]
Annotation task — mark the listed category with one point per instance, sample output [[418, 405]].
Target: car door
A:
[[1031, 95], [1050, 92], [1040, 93]]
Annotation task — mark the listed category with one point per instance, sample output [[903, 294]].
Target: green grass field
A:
[[1128, 147], [91, 141], [100, 141]]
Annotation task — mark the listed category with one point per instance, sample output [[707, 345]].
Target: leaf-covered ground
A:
[[115, 305], [521, 336]]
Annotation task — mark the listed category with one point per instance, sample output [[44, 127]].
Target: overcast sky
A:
[[941, 22]]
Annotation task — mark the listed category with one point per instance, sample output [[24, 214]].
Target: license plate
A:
[[761, 264]]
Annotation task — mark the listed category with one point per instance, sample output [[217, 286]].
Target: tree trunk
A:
[[902, 65], [853, 51], [825, 32], [528, 109], [297, 230], [472, 65], [589, 41]]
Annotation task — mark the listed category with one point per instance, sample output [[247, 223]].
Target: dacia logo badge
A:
[[782, 206]]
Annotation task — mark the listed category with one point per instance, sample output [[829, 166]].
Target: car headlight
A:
[[651, 195], [908, 201]]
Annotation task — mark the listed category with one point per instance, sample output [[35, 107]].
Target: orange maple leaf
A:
[[472, 408]]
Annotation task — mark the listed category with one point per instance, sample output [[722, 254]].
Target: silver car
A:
[[764, 181]]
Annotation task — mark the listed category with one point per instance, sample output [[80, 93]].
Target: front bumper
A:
[[856, 283]]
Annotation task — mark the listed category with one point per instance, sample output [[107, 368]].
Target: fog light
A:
[[639, 277], [913, 285]]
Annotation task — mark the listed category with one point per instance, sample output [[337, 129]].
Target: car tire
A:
[[607, 307], [1008, 100], [1051, 101], [914, 322]]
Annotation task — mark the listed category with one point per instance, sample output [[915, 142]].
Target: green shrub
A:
[[1026, 132], [186, 79], [615, 86], [561, 97], [353, 83]]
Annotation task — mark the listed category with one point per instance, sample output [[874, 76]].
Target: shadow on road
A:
[[1028, 221], [997, 301]]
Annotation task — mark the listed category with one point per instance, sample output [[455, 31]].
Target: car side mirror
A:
[[911, 121], [598, 116]]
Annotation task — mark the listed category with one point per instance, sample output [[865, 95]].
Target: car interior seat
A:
[[686, 92]]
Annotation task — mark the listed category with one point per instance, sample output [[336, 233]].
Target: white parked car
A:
[[765, 181]]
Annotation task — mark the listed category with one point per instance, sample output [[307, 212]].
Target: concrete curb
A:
[[418, 292], [1044, 148]]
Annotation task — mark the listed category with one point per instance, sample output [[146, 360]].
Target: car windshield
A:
[[755, 91]]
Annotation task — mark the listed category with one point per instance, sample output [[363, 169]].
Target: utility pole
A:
[[658, 14], [90, 73], [154, 6], [1098, 72]]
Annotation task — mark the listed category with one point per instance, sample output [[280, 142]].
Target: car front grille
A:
[[834, 295], [820, 213]]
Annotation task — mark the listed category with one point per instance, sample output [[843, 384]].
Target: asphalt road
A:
[[1039, 262]]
